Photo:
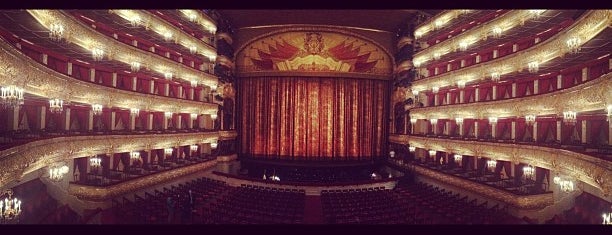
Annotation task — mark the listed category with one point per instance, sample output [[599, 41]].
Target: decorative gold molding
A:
[[223, 60], [93, 193], [208, 23], [17, 69], [589, 96], [586, 28], [228, 135], [472, 36], [320, 28], [444, 16], [593, 171], [314, 74], [87, 38], [518, 201], [225, 36], [23, 159], [152, 22]]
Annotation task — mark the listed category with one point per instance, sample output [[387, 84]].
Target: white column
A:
[[178, 121], [191, 93], [559, 81], [535, 131], [512, 166], [461, 94], [476, 94], [165, 122], [448, 101], [460, 126], [535, 87], [92, 75], [134, 83], [166, 89], [436, 102], [151, 87], [149, 121], [134, 43], [513, 90], [476, 129], [584, 131], [585, 73], [494, 130], [132, 122], [513, 133], [114, 79], [90, 117], [610, 131], [13, 120], [447, 123], [494, 92], [180, 92], [69, 69], [558, 130], [112, 121], [42, 115], [190, 123], [45, 58], [66, 119]]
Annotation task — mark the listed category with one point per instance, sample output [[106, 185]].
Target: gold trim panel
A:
[[313, 74], [87, 38], [589, 96], [590, 170], [444, 16], [23, 159], [18, 69], [93, 193], [585, 29], [520, 202], [227, 135]]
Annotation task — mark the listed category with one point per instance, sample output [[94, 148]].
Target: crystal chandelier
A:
[[167, 35], [95, 162], [528, 172], [434, 121], [193, 148], [435, 89], [413, 121], [492, 120], [135, 20], [459, 121], [134, 155], [432, 153], [193, 116], [573, 44], [495, 76], [97, 54], [496, 32], [213, 87], [11, 96], [438, 24], [168, 75], [134, 112], [530, 120], [56, 105], [392, 154], [533, 67], [412, 149], [436, 55], [57, 173], [134, 66], [213, 144], [193, 49], [566, 186], [168, 151], [607, 218], [96, 109], [10, 207], [461, 84], [415, 93], [458, 158], [193, 83], [463, 46], [168, 115], [56, 31], [213, 116], [491, 164], [569, 118]]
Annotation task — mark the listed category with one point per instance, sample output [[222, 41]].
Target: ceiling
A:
[[385, 20]]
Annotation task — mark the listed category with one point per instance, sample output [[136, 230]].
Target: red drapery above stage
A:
[[308, 118]]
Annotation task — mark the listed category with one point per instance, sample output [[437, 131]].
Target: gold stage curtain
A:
[[312, 118]]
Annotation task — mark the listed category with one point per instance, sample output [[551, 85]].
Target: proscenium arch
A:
[[323, 29]]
